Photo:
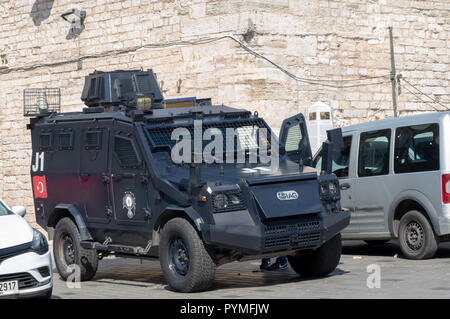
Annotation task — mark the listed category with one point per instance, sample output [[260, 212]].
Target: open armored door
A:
[[294, 140]]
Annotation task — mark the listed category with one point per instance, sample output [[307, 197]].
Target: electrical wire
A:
[[427, 95], [426, 102], [320, 82], [300, 79]]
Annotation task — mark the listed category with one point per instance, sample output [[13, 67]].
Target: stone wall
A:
[[318, 40]]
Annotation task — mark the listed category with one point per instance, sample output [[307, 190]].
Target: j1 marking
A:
[[38, 165]]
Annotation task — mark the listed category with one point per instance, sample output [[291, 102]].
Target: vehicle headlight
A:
[[39, 244], [221, 201], [143, 103], [227, 201], [332, 188], [329, 190], [235, 200]]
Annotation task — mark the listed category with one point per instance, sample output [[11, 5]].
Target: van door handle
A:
[[345, 186]]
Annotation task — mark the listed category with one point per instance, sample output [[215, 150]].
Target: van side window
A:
[[340, 161], [125, 152], [374, 153], [416, 148]]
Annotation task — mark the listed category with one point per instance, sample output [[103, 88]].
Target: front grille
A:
[[306, 239], [297, 227], [44, 271], [25, 280], [14, 251], [300, 233], [294, 240], [277, 242]]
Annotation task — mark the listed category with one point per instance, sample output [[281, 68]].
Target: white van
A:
[[394, 177]]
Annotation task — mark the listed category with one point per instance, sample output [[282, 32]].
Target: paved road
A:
[[400, 278]]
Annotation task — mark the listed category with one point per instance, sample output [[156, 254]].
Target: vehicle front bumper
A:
[[304, 232], [25, 269]]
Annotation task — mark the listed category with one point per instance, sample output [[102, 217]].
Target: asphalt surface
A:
[[399, 278]]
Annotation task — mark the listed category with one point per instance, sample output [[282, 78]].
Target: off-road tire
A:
[[430, 241], [376, 242], [319, 262], [202, 269], [86, 259]]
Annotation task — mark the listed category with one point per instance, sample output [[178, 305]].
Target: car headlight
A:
[[39, 244]]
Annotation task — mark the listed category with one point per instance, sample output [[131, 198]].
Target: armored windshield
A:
[[216, 138]]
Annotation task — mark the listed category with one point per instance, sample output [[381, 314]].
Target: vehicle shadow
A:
[[134, 273], [389, 249]]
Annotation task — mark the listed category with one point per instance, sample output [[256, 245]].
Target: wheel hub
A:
[[414, 235], [68, 250], [179, 257]]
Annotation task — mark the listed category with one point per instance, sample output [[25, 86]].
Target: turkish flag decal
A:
[[39, 187]]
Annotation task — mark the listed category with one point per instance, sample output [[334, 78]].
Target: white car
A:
[[25, 260]]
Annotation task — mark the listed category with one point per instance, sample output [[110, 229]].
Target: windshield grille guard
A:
[[160, 137]]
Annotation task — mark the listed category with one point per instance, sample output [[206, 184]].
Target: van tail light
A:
[[446, 188]]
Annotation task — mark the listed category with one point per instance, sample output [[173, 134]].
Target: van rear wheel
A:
[[69, 254], [416, 236], [319, 262], [185, 261]]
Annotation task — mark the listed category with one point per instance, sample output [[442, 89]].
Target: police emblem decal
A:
[[129, 203]]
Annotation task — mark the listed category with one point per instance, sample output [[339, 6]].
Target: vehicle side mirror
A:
[[335, 141], [19, 210], [335, 137]]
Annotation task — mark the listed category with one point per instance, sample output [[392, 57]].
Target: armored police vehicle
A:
[[106, 181]]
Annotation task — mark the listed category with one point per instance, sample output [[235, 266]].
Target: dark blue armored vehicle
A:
[[109, 180]]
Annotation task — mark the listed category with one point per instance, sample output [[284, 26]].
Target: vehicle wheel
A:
[[416, 236], [68, 251], [319, 262], [377, 242], [185, 261]]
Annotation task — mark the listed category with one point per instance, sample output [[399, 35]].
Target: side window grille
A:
[[45, 141], [65, 141], [93, 140], [126, 152]]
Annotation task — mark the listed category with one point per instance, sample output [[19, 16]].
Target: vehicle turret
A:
[[134, 89]]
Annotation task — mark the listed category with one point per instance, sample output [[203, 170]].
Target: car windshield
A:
[[3, 210]]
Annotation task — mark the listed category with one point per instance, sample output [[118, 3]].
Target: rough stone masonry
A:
[[316, 40]]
